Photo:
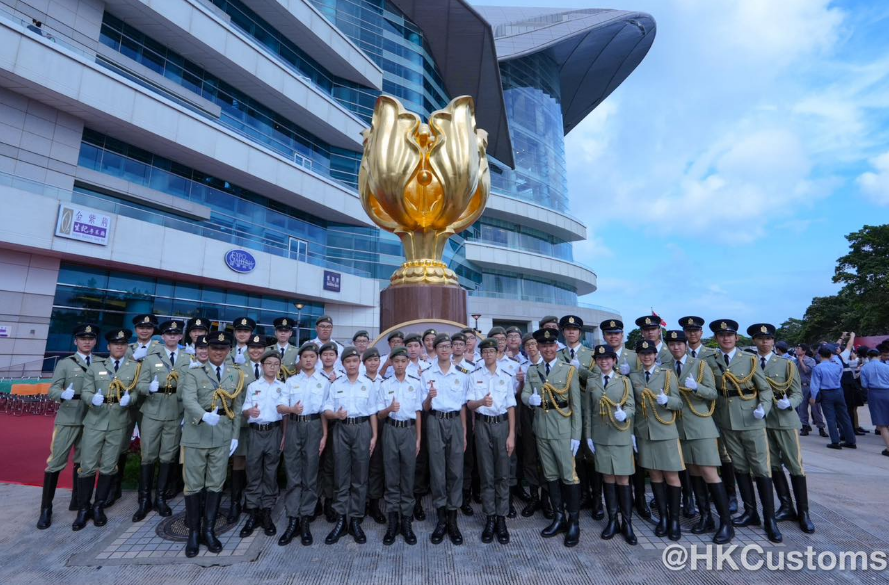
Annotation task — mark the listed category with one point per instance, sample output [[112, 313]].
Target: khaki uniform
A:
[[206, 448], [655, 425], [68, 426], [612, 439], [783, 425], [697, 430], [104, 425], [135, 411], [291, 357], [160, 430]]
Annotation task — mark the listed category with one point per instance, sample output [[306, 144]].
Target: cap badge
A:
[[198, 322], [147, 319], [88, 329], [644, 345], [648, 320], [723, 325], [612, 324], [764, 329], [221, 337], [283, 321], [120, 334], [691, 321], [571, 319], [243, 321]]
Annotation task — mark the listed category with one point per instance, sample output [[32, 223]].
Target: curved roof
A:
[[595, 49]]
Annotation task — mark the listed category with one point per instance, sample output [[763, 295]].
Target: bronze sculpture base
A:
[[408, 303]]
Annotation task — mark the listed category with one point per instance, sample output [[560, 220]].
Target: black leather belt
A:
[[264, 426], [445, 415], [735, 393], [401, 424], [305, 417], [75, 397], [219, 411], [170, 391], [493, 420], [355, 420]]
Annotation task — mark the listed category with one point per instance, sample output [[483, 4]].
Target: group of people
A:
[[557, 425]]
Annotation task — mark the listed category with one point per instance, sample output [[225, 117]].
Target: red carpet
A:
[[24, 447]]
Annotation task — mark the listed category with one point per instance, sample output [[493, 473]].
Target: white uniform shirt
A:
[[339, 350], [310, 390], [500, 385], [409, 393], [510, 365], [417, 369], [357, 398], [265, 396], [452, 387]]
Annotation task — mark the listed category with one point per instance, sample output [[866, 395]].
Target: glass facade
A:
[[111, 299], [488, 230], [507, 285]]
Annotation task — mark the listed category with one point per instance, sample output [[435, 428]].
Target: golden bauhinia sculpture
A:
[[424, 182]]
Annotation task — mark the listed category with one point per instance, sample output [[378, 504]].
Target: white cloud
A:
[[875, 184]]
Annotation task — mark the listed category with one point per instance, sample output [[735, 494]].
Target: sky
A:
[[721, 177]]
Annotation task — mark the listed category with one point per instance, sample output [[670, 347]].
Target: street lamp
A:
[[476, 316], [299, 313]]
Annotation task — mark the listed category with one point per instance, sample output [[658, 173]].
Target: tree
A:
[[791, 331], [827, 317], [634, 336], [864, 271]]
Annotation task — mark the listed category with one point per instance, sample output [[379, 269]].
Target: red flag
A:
[[663, 323]]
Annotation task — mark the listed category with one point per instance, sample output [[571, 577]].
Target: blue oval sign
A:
[[240, 261]]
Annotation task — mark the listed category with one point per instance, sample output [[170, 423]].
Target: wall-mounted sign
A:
[[332, 281], [4, 330], [85, 225], [240, 261]]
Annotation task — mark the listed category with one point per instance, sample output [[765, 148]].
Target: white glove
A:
[[662, 398], [239, 359], [589, 443], [575, 445], [624, 369], [234, 447], [195, 365], [140, 354], [68, 393], [635, 448], [759, 412], [534, 399], [98, 399], [154, 386], [619, 414], [783, 404], [690, 383], [575, 363], [211, 418], [125, 400], [189, 350]]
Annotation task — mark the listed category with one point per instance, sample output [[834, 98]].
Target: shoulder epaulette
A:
[[505, 372], [471, 363], [478, 369], [515, 359], [414, 377], [462, 369]]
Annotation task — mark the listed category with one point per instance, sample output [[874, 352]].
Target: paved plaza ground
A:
[[849, 503]]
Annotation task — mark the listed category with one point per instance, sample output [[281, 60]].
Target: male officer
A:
[[650, 325], [195, 328], [376, 483], [625, 360], [553, 390], [530, 460], [324, 333], [552, 322], [161, 408], [783, 426], [107, 392], [287, 351], [243, 328], [329, 355], [212, 396], [145, 326], [744, 400], [66, 386], [471, 343], [698, 433], [491, 396], [470, 473], [394, 339]]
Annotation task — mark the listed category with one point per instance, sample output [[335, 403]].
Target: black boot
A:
[[407, 530], [329, 514], [453, 530], [356, 531], [625, 500], [546, 504], [519, 492], [146, 476], [116, 481], [289, 532], [611, 528], [785, 510], [559, 523], [106, 483], [767, 497], [801, 493], [250, 524], [750, 517], [373, 510], [75, 503], [488, 532], [674, 497], [533, 502], [641, 505], [208, 528], [268, 525], [465, 507], [306, 537], [689, 510], [511, 511], [193, 523], [502, 531], [391, 529], [596, 482], [660, 497], [84, 498], [705, 522], [572, 534], [160, 496], [419, 514], [441, 527], [239, 480], [728, 480], [50, 481], [726, 532]]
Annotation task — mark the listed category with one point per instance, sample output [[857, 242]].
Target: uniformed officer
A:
[[195, 328], [650, 326], [530, 461], [428, 339], [744, 400], [471, 343], [305, 441], [698, 434], [553, 389], [360, 341], [459, 354], [145, 326], [413, 342], [658, 404], [394, 339], [783, 426], [401, 401], [264, 428], [66, 386], [243, 328], [108, 389], [353, 403], [376, 483], [324, 335], [446, 388], [329, 355], [552, 322], [626, 360], [212, 396], [160, 431], [491, 396], [287, 351], [608, 409]]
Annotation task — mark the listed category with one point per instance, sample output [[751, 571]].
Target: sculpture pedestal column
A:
[[399, 304]]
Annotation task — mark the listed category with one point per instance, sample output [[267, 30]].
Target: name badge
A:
[[103, 373], [158, 365]]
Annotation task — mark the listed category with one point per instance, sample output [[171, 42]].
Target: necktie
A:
[[572, 354], [256, 371], [647, 376], [116, 365], [605, 384], [694, 354], [725, 358], [762, 363], [239, 351], [678, 368], [282, 352], [547, 368], [87, 360], [218, 374], [173, 357]]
